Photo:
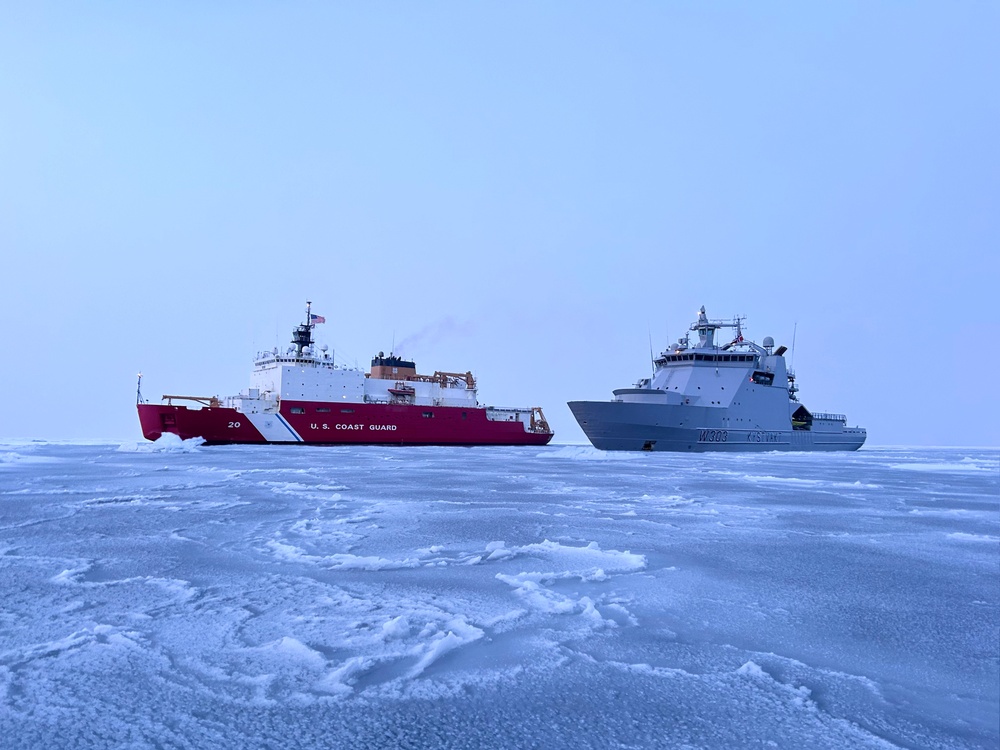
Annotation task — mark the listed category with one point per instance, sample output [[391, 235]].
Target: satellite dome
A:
[[768, 342]]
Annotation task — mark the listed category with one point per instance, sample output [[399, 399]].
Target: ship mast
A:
[[302, 335]]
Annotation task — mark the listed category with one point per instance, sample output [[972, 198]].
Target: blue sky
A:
[[528, 190]]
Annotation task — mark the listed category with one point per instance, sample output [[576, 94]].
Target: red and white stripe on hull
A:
[[272, 427], [339, 424]]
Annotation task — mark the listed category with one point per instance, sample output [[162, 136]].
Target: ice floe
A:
[[181, 595]]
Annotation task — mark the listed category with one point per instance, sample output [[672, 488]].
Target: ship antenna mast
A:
[[652, 360], [302, 335]]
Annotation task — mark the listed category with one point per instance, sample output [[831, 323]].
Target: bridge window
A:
[[347, 411], [428, 414], [322, 409], [298, 410]]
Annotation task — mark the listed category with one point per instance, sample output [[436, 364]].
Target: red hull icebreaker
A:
[[302, 396], [357, 424]]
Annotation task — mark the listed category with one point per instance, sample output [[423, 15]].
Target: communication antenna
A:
[[138, 391], [652, 361], [791, 362]]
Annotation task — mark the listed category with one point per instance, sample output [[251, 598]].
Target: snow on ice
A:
[[170, 594]]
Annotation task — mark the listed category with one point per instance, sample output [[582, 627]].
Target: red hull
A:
[[344, 424]]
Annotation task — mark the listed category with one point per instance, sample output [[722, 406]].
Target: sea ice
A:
[[178, 595]]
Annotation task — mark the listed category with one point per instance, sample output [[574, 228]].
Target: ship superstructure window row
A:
[[710, 357]]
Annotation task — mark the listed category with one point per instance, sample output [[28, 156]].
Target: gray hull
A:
[[624, 426]]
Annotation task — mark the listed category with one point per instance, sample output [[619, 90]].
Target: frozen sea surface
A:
[[171, 596]]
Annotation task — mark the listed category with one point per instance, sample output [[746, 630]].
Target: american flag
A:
[[314, 319]]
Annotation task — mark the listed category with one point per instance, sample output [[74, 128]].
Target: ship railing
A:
[[209, 401], [532, 417], [829, 417], [447, 379]]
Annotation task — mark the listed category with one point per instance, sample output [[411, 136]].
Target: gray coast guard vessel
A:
[[705, 396]]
